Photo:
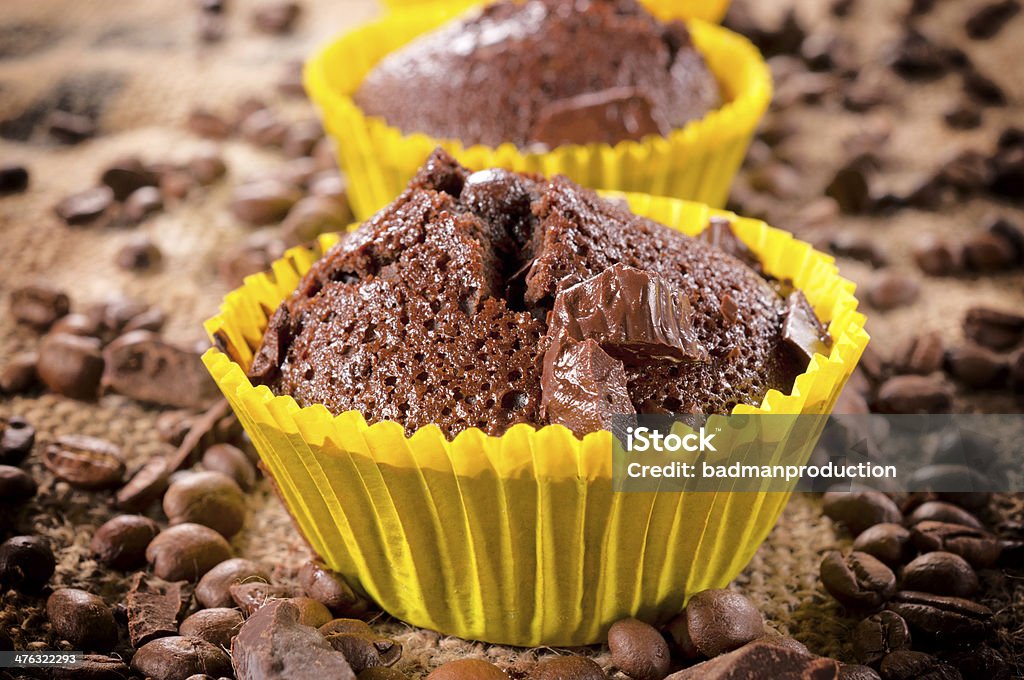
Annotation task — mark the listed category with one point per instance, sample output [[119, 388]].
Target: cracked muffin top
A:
[[485, 299], [544, 72]]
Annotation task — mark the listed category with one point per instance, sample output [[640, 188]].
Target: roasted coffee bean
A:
[[857, 672], [916, 57], [139, 254], [143, 366], [969, 170], [173, 658], [328, 587], [939, 256], [941, 573], [276, 16], [858, 510], [313, 216], [311, 612], [356, 626], [467, 669], [213, 589], [1011, 233], [172, 426], [567, 668], [272, 644], [908, 665], [252, 595], [121, 542], [878, 635], [26, 563], [977, 546], [920, 354], [141, 204], [207, 167], [39, 305], [982, 89], [17, 436], [230, 461], [127, 175], [208, 498], [942, 617], [85, 462], [365, 651], [889, 542], [206, 123], [69, 128], [996, 329], [146, 485], [979, 661], [13, 179], [976, 366], [80, 324], [892, 289], [988, 252], [301, 137], [263, 202], [638, 650], [329, 184], [857, 247], [990, 18], [18, 375], [716, 622], [153, 607], [16, 485], [250, 256], [83, 619], [939, 511], [857, 580], [263, 128], [964, 116], [914, 394], [85, 207], [850, 188], [217, 626], [92, 667], [185, 552], [70, 365]]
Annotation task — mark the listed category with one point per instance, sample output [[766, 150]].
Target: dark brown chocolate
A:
[[719, 233], [582, 387], [802, 330], [635, 316]]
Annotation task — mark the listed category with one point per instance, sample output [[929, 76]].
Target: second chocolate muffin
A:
[[547, 72], [490, 298]]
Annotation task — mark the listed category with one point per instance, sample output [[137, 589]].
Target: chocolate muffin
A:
[[491, 298], [546, 72]]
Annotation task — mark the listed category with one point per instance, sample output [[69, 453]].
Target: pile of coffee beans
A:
[[911, 572]]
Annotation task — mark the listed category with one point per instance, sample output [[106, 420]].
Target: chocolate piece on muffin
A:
[[492, 298], [546, 72]]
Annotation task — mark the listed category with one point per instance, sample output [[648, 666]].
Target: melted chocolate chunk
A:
[[634, 315], [606, 116], [719, 233], [582, 387], [802, 330]]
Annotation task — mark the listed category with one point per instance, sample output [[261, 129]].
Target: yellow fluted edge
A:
[[516, 539], [708, 10], [697, 162]]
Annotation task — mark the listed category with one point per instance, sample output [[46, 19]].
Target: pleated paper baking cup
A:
[[518, 539], [697, 162], [708, 10]]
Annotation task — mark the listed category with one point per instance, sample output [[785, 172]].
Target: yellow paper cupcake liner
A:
[[708, 10], [697, 162], [517, 539]]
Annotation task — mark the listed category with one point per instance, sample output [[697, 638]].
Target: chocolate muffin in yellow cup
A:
[[708, 10], [431, 394], [609, 96]]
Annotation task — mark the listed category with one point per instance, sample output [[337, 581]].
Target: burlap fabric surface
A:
[[139, 67]]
